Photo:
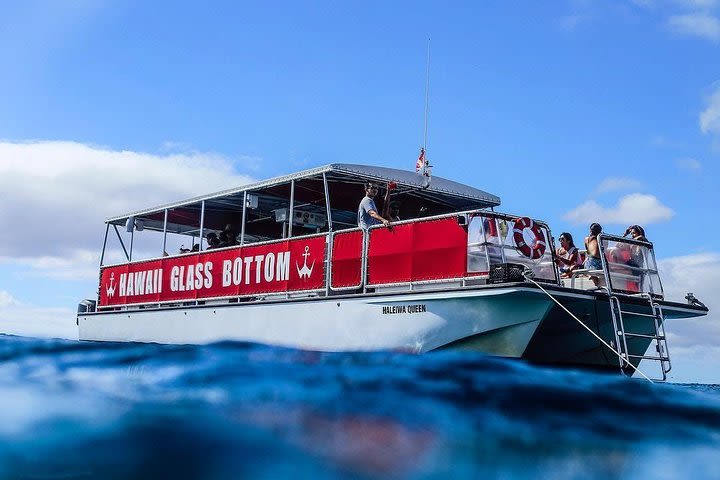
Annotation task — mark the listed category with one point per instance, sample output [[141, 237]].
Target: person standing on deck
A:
[[367, 211], [636, 251], [592, 260]]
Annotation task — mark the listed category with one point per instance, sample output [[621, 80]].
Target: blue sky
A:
[[570, 111]]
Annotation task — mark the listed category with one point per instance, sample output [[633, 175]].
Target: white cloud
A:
[[694, 344], [76, 264], [6, 299], [55, 196], [27, 320], [710, 117], [613, 184], [633, 208], [700, 24], [688, 164]]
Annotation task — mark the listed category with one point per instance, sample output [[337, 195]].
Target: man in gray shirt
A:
[[367, 211]]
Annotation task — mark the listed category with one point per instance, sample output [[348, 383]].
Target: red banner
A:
[[283, 266], [426, 250], [347, 259]]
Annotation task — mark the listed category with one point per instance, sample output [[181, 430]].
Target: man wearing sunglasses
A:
[[367, 211]]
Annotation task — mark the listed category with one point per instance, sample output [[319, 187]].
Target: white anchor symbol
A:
[[111, 289], [305, 271]]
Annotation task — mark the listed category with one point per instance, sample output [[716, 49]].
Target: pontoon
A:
[[454, 274]]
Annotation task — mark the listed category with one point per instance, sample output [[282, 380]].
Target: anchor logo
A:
[[111, 289], [305, 271]]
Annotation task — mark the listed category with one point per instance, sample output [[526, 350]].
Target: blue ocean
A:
[[236, 410]]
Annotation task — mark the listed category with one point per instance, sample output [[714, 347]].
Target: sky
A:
[[571, 111]]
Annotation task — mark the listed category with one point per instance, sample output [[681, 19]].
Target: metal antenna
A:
[[427, 96]]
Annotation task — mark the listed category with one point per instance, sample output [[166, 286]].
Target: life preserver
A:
[[537, 248]]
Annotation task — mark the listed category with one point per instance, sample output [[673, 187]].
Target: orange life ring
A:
[[537, 249]]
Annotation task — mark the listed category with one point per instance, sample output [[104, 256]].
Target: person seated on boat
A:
[[222, 239], [195, 248], [393, 211], [212, 240], [367, 211], [228, 237], [567, 256], [592, 259]]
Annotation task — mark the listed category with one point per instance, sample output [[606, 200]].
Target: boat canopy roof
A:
[[307, 189]]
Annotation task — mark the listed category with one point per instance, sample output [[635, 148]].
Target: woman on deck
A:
[[636, 251], [568, 256]]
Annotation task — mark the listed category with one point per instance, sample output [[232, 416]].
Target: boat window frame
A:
[[605, 239]]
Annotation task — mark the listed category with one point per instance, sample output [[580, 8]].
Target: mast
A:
[[426, 170], [427, 96]]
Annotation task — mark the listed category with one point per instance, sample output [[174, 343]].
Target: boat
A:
[[297, 271]]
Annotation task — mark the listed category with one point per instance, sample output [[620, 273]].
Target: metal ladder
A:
[[658, 337]]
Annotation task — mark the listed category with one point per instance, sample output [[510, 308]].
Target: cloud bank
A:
[[55, 196], [633, 208], [694, 344], [27, 320]]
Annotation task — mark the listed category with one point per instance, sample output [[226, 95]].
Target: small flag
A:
[[420, 164]]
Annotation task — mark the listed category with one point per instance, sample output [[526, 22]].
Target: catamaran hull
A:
[[497, 321], [562, 340]]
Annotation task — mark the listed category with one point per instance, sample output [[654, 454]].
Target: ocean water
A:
[[237, 410]]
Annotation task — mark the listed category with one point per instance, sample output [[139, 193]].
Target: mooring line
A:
[[587, 328]]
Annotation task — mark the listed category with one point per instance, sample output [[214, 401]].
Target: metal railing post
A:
[[327, 202], [242, 228], [102, 255], [202, 224], [292, 202], [165, 221]]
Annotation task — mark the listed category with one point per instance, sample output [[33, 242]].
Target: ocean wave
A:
[[234, 409]]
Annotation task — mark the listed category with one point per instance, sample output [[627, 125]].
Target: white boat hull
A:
[[497, 321]]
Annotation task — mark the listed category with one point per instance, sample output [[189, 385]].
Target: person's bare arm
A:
[[376, 216]]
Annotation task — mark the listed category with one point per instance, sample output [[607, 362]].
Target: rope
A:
[[588, 328]]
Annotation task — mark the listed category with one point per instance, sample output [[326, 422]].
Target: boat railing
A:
[[452, 250], [629, 267]]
